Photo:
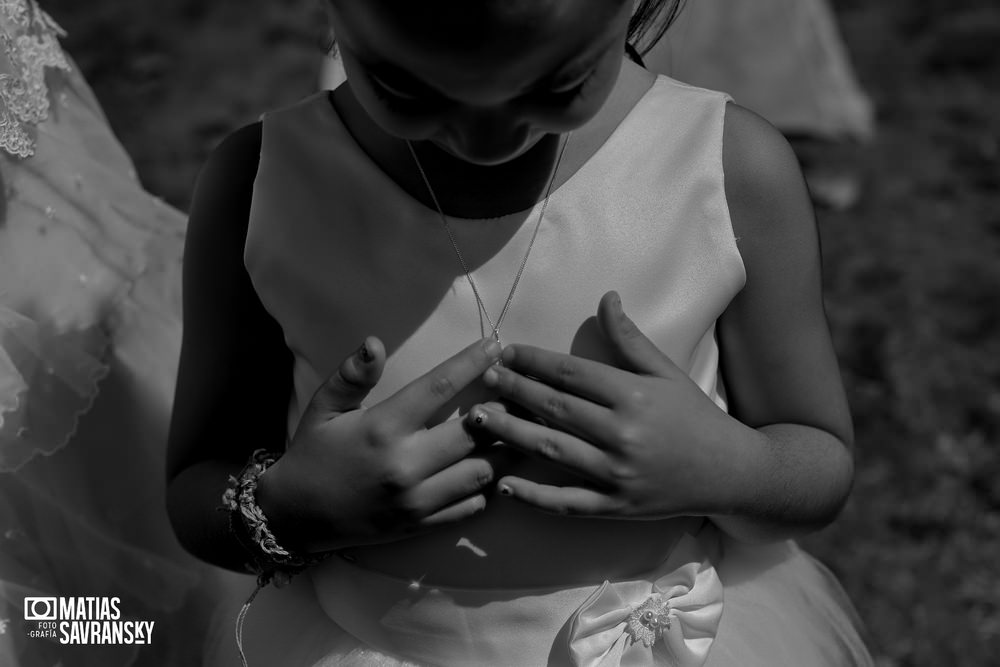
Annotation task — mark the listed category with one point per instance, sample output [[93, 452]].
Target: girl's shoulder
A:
[[224, 187], [759, 167], [236, 155], [766, 192]]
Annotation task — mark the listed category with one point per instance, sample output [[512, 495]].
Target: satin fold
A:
[[690, 588]]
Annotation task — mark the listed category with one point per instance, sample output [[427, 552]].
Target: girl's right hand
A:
[[355, 476]]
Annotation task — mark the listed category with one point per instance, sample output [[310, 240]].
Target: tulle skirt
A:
[[89, 342], [730, 605]]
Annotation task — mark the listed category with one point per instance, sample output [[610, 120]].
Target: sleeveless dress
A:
[[338, 251], [89, 342]]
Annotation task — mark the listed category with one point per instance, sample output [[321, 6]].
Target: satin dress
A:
[[336, 251]]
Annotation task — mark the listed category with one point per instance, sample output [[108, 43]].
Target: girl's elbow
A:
[[841, 481]]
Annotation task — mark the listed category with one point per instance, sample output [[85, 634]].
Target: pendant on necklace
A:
[[495, 326]]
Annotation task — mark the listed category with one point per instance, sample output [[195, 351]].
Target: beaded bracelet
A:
[[271, 562]]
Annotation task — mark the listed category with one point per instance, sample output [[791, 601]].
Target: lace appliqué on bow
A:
[[648, 621], [30, 42]]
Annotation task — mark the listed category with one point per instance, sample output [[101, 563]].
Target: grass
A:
[[912, 277]]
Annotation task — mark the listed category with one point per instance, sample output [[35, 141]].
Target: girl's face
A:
[[483, 80]]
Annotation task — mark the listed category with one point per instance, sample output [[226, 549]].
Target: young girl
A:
[[537, 342], [89, 342]]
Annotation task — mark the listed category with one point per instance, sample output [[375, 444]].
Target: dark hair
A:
[[650, 21]]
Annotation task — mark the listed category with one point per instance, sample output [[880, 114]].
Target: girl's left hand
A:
[[645, 439]]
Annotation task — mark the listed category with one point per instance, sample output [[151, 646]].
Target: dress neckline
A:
[[398, 191]]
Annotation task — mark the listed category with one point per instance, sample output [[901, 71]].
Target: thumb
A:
[[634, 351], [345, 389]]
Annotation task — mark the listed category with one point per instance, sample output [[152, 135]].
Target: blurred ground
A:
[[912, 273]]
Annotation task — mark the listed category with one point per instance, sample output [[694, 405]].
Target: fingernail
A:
[[618, 301], [478, 417], [365, 353], [493, 348], [491, 377], [505, 490]]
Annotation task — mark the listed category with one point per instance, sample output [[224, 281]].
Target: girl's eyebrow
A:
[[397, 77], [406, 81], [571, 73], [575, 67]]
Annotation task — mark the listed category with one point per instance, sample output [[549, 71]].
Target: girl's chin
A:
[[487, 159]]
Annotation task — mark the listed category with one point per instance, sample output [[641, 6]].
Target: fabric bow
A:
[[672, 621]]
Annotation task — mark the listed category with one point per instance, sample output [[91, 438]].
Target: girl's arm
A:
[[646, 442], [234, 367], [778, 362], [350, 475]]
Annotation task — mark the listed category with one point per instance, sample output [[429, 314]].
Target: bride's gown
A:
[[89, 342]]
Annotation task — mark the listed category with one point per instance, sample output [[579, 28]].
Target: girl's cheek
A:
[[568, 119], [397, 119], [563, 117]]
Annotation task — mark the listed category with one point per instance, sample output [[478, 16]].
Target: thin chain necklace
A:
[[494, 326]]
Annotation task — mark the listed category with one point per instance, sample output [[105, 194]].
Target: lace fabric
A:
[[60, 371], [30, 40], [89, 341], [87, 257]]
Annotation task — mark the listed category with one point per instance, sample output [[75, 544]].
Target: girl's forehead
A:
[[475, 25]]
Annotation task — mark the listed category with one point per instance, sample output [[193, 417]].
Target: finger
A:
[[345, 389], [634, 350], [443, 445], [562, 500], [463, 509], [571, 413], [555, 446], [413, 405], [589, 379], [461, 480]]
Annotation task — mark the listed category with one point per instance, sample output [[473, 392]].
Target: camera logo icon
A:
[[40, 609]]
